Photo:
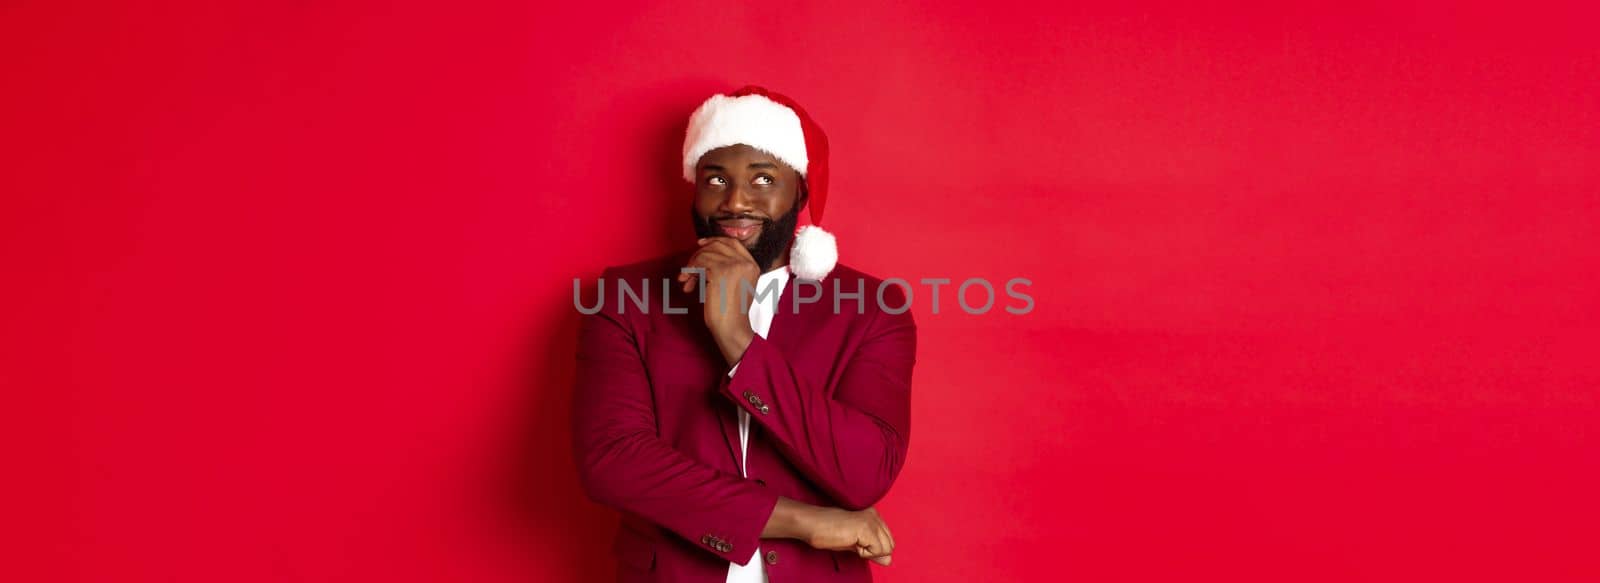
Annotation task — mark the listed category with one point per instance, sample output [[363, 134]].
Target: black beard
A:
[[774, 240]]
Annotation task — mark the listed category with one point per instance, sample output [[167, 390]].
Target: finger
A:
[[694, 258], [710, 256], [879, 559], [713, 254], [739, 250], [881, 546], [881, 528], [732, 246], [710, 243], [872, 546], [722, 246]]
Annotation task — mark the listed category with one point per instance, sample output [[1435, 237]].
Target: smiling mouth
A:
[[742, 229]]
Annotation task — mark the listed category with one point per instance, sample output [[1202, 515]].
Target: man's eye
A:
[[764, 180], [716, 181]]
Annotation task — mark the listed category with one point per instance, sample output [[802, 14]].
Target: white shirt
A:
[[763, 306]]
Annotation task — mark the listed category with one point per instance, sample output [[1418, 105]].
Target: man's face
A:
[[747, 194]]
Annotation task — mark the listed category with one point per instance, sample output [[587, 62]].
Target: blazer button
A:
[[772, 557], [706, 540], [763, 409]]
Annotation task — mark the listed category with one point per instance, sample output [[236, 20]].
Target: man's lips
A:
[[741, 229]]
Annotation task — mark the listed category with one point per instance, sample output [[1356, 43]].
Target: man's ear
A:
[[802, 195]]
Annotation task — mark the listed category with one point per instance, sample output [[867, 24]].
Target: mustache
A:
[[731, 216]]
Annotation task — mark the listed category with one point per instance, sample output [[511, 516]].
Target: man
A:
[[746, 423]]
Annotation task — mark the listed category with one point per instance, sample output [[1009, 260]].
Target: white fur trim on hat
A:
[[814, 254], [752, 120]]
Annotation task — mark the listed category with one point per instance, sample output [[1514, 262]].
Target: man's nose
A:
[[738, 199]]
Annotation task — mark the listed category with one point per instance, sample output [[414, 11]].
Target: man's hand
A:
[[729, 272], [862, 531], [833, 529]]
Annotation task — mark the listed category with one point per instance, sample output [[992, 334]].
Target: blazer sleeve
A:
[[623, 463], [851, 444]]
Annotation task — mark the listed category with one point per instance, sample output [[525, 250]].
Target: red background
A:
[[288, 289]]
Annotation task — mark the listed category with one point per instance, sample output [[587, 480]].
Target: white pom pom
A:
[[814, 254]]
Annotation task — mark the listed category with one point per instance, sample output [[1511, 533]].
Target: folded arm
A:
[[852, 444]]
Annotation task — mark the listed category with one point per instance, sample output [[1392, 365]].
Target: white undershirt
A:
[[762, 308]]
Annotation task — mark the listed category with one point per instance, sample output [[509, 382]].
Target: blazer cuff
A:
[[746, 384], [741, 544]]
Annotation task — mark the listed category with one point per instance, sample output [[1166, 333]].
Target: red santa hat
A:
[[774, 124]]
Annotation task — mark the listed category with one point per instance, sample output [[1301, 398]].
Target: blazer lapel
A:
[[726, 413]]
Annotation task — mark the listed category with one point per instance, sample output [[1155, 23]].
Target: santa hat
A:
[[778, 126]]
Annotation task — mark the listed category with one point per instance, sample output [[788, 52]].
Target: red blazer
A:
[[656, 436]]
